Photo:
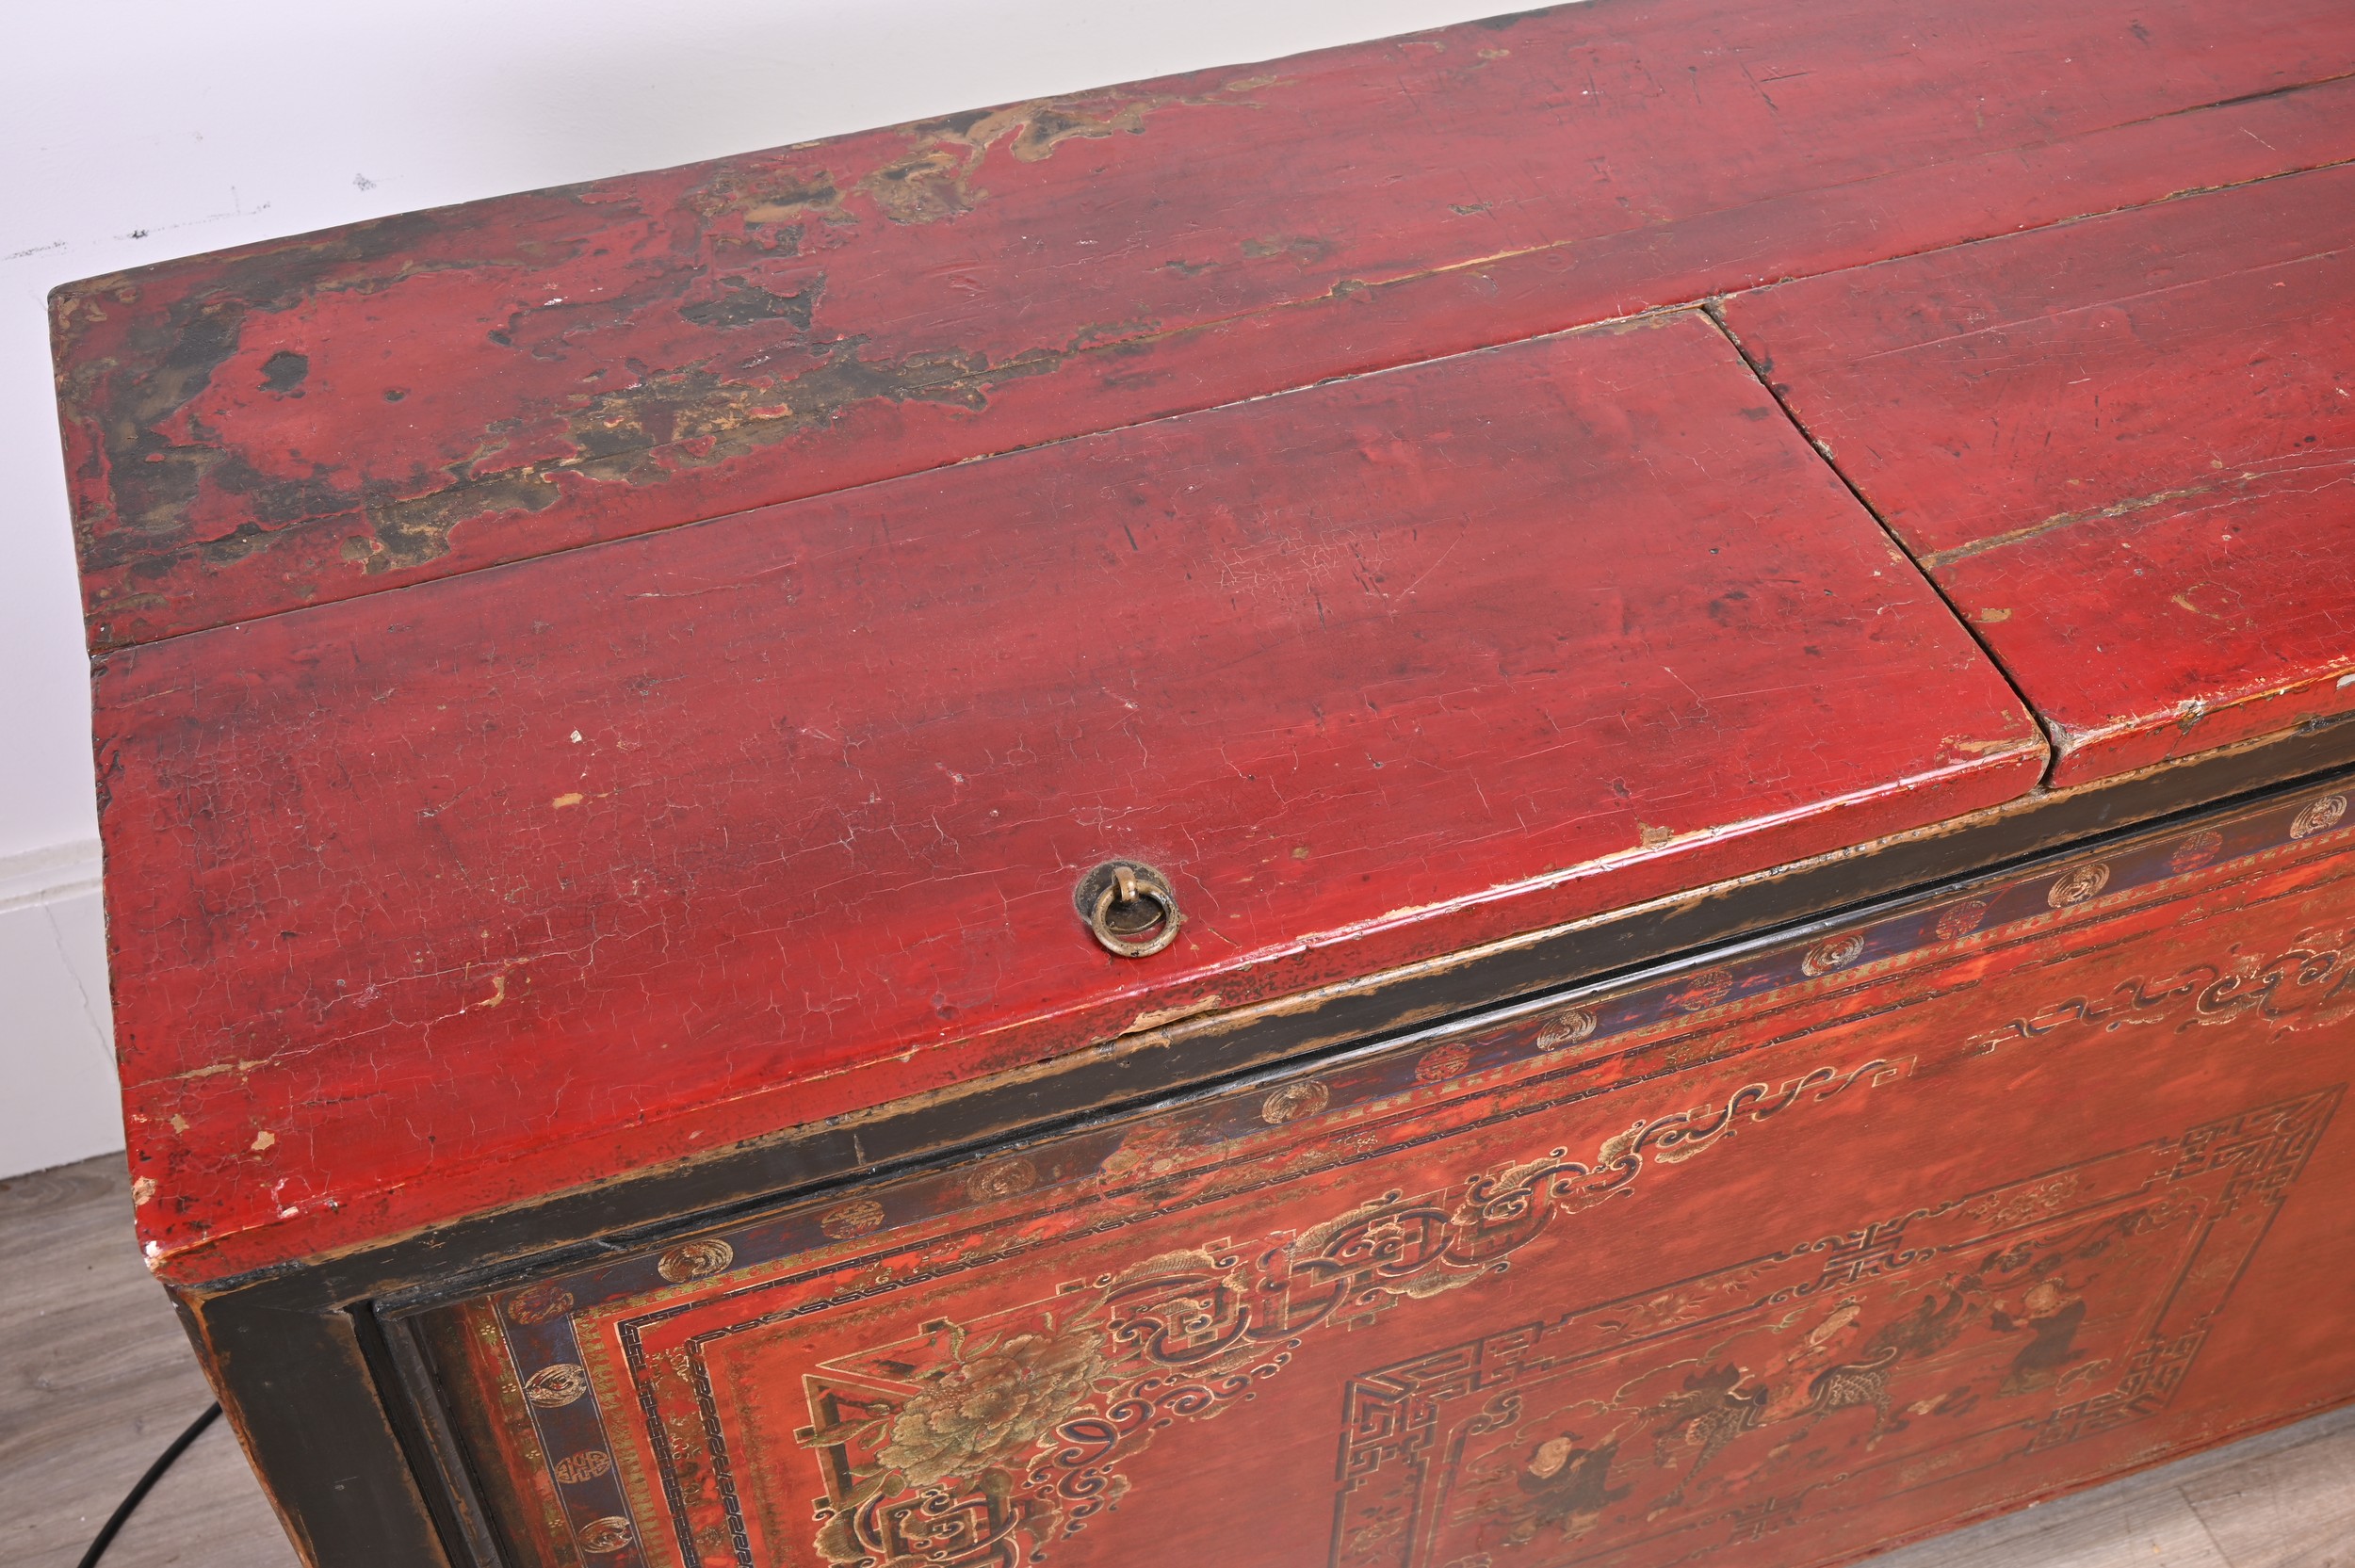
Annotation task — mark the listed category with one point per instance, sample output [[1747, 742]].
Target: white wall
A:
[[135, 130]]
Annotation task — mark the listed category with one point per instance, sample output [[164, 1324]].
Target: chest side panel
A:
[[336, 414], [1821, 1244], [438, 900], [2124, 449]]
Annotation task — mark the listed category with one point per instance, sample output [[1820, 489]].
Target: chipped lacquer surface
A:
[[445, 898], [313, 418], [2125, 448], [1772, 1261]]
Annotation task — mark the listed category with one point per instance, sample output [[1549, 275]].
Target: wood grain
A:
[[324, 416], [810, 562], [2291, 1507], [2288, 1485], [2146, 1523], [95, 1379], [1949, 1210], [99, 1377], [2125, 448], [511, 881]]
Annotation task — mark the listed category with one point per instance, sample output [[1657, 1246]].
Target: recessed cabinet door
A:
[[1821, 1240]]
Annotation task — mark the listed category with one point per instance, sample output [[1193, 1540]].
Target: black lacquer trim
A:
[[350, 1432]]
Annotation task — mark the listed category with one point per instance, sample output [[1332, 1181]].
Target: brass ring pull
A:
[[1130, 908]]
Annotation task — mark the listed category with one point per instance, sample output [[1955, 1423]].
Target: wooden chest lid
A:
[[338, 413], [777, 645], [523, 877], [2124, 449]]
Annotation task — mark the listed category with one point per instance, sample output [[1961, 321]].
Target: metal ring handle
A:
[[1125, 885]]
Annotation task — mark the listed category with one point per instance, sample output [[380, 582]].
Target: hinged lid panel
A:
[[517, 879], [2124, 447], [328, 415]]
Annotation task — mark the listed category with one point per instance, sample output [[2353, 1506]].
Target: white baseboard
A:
[[59, 1101], [43, 876]]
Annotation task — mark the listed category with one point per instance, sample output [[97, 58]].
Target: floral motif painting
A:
[[1820, 1236]]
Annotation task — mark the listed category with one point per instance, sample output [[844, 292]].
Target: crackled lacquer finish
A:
[[2125, 448], [1772, 1261], [312, 418], [439, 899]]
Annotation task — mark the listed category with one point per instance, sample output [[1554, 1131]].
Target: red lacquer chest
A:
[[1574, 791]]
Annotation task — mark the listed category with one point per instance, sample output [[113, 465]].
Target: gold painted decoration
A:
[[2195, 852], [1441, 1063], [2318, 815], [858, 1217], [2310, 982], [1293, 1101], [586, 1465], [1954, 1335], [1833, 952], [541, 1303], [694, 1260], [1917, 1280], [554, 1387], [1960, 919], [1566, 1028], [1016, 1427], [1005, 1179], [600, 1536], [2078, 884], [1704, 989]]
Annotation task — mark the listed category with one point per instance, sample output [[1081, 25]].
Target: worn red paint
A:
[[811, 564], [2125, 448], [519, 880], [2008, 1190], [313, 418]]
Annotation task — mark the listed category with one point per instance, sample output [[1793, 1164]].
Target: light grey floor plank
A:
[[2291, 1509], [2130, 1522], [207, 1512], [2264, 1489], [95, 1377]]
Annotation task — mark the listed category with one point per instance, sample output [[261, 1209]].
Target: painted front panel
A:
[[1769, 1259]]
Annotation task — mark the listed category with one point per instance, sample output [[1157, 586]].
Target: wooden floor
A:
[[95, 1379]]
